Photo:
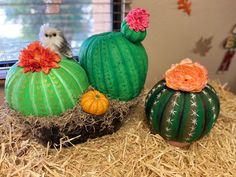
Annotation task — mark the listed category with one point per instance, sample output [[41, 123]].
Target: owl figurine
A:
[[54, 39]]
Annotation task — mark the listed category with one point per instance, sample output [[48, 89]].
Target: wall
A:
[[101, 10], [172, 35]]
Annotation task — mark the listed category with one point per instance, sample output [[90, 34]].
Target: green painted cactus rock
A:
[[40, 94], [181, 116], [116, 62]]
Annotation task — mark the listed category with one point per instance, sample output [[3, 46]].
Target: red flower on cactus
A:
[[138, 19], [36, 58], [187, 76]]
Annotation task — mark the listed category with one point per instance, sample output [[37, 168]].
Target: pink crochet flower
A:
[[138, 19]]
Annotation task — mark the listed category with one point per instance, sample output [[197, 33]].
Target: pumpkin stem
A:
[[97, 96]]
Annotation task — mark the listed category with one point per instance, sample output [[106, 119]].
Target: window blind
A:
[[20, 22]]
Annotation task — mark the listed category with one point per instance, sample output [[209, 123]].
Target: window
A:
[[20, 22]]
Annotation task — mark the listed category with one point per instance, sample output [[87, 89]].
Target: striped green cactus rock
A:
[[116, 62], [181, 116], [40, 94]]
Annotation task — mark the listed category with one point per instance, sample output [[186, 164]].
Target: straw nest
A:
[[74, 126], [131, 151]]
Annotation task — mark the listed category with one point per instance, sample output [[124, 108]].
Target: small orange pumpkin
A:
[[94, 102]]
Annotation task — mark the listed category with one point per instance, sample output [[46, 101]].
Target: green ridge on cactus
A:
[[40, 94], [115, 65], [181, 116]]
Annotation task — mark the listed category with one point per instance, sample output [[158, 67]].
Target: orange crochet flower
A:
[[187, 76], [36, 58]]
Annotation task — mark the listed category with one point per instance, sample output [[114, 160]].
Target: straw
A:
[[131, 151]]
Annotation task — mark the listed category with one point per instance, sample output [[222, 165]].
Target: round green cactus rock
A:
[[181, 116], [115, 65], [40, 94]]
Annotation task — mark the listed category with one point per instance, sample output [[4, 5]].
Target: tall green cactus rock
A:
[[181, 116], [40, 94], [116, 62]]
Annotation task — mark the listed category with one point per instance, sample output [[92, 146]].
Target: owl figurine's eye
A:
[[54, 34], [46, 35]]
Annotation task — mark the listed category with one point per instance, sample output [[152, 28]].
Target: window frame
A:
[[118, 9]]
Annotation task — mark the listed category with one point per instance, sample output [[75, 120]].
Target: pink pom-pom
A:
[[138, 19]]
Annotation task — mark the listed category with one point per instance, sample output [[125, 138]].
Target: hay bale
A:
[[131, 151]]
